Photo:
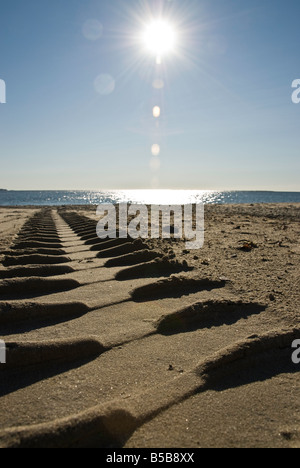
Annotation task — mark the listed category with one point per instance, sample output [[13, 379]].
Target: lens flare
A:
[[156, 111], [105, 84], [92, 29], [155, 150], [158, 83]]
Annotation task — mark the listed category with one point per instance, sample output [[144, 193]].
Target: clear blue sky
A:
[[227, 119]]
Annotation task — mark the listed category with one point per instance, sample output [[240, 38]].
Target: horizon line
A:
[[150, 189]]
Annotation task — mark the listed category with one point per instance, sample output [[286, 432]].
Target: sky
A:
[[81, 87]]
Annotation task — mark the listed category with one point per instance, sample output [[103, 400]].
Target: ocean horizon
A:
[[152, 196]]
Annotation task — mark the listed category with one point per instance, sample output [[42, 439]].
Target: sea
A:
[[146, 197]]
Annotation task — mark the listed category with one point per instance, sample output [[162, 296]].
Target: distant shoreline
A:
[[138, 190]]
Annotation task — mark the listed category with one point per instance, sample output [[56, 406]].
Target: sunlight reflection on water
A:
[[168, 197], [151, 196]]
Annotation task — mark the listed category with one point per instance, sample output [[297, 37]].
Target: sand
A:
[[145, 344]]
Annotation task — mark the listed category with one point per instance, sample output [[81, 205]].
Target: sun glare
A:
[[159, 38]]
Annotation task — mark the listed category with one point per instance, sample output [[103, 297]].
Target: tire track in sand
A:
[[177, 304]]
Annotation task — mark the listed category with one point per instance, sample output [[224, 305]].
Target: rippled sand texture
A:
[[122, 343]]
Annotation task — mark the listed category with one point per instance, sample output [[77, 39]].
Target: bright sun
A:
[[159, 37]]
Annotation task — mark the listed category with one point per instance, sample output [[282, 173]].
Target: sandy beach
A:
[[137, 344]]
